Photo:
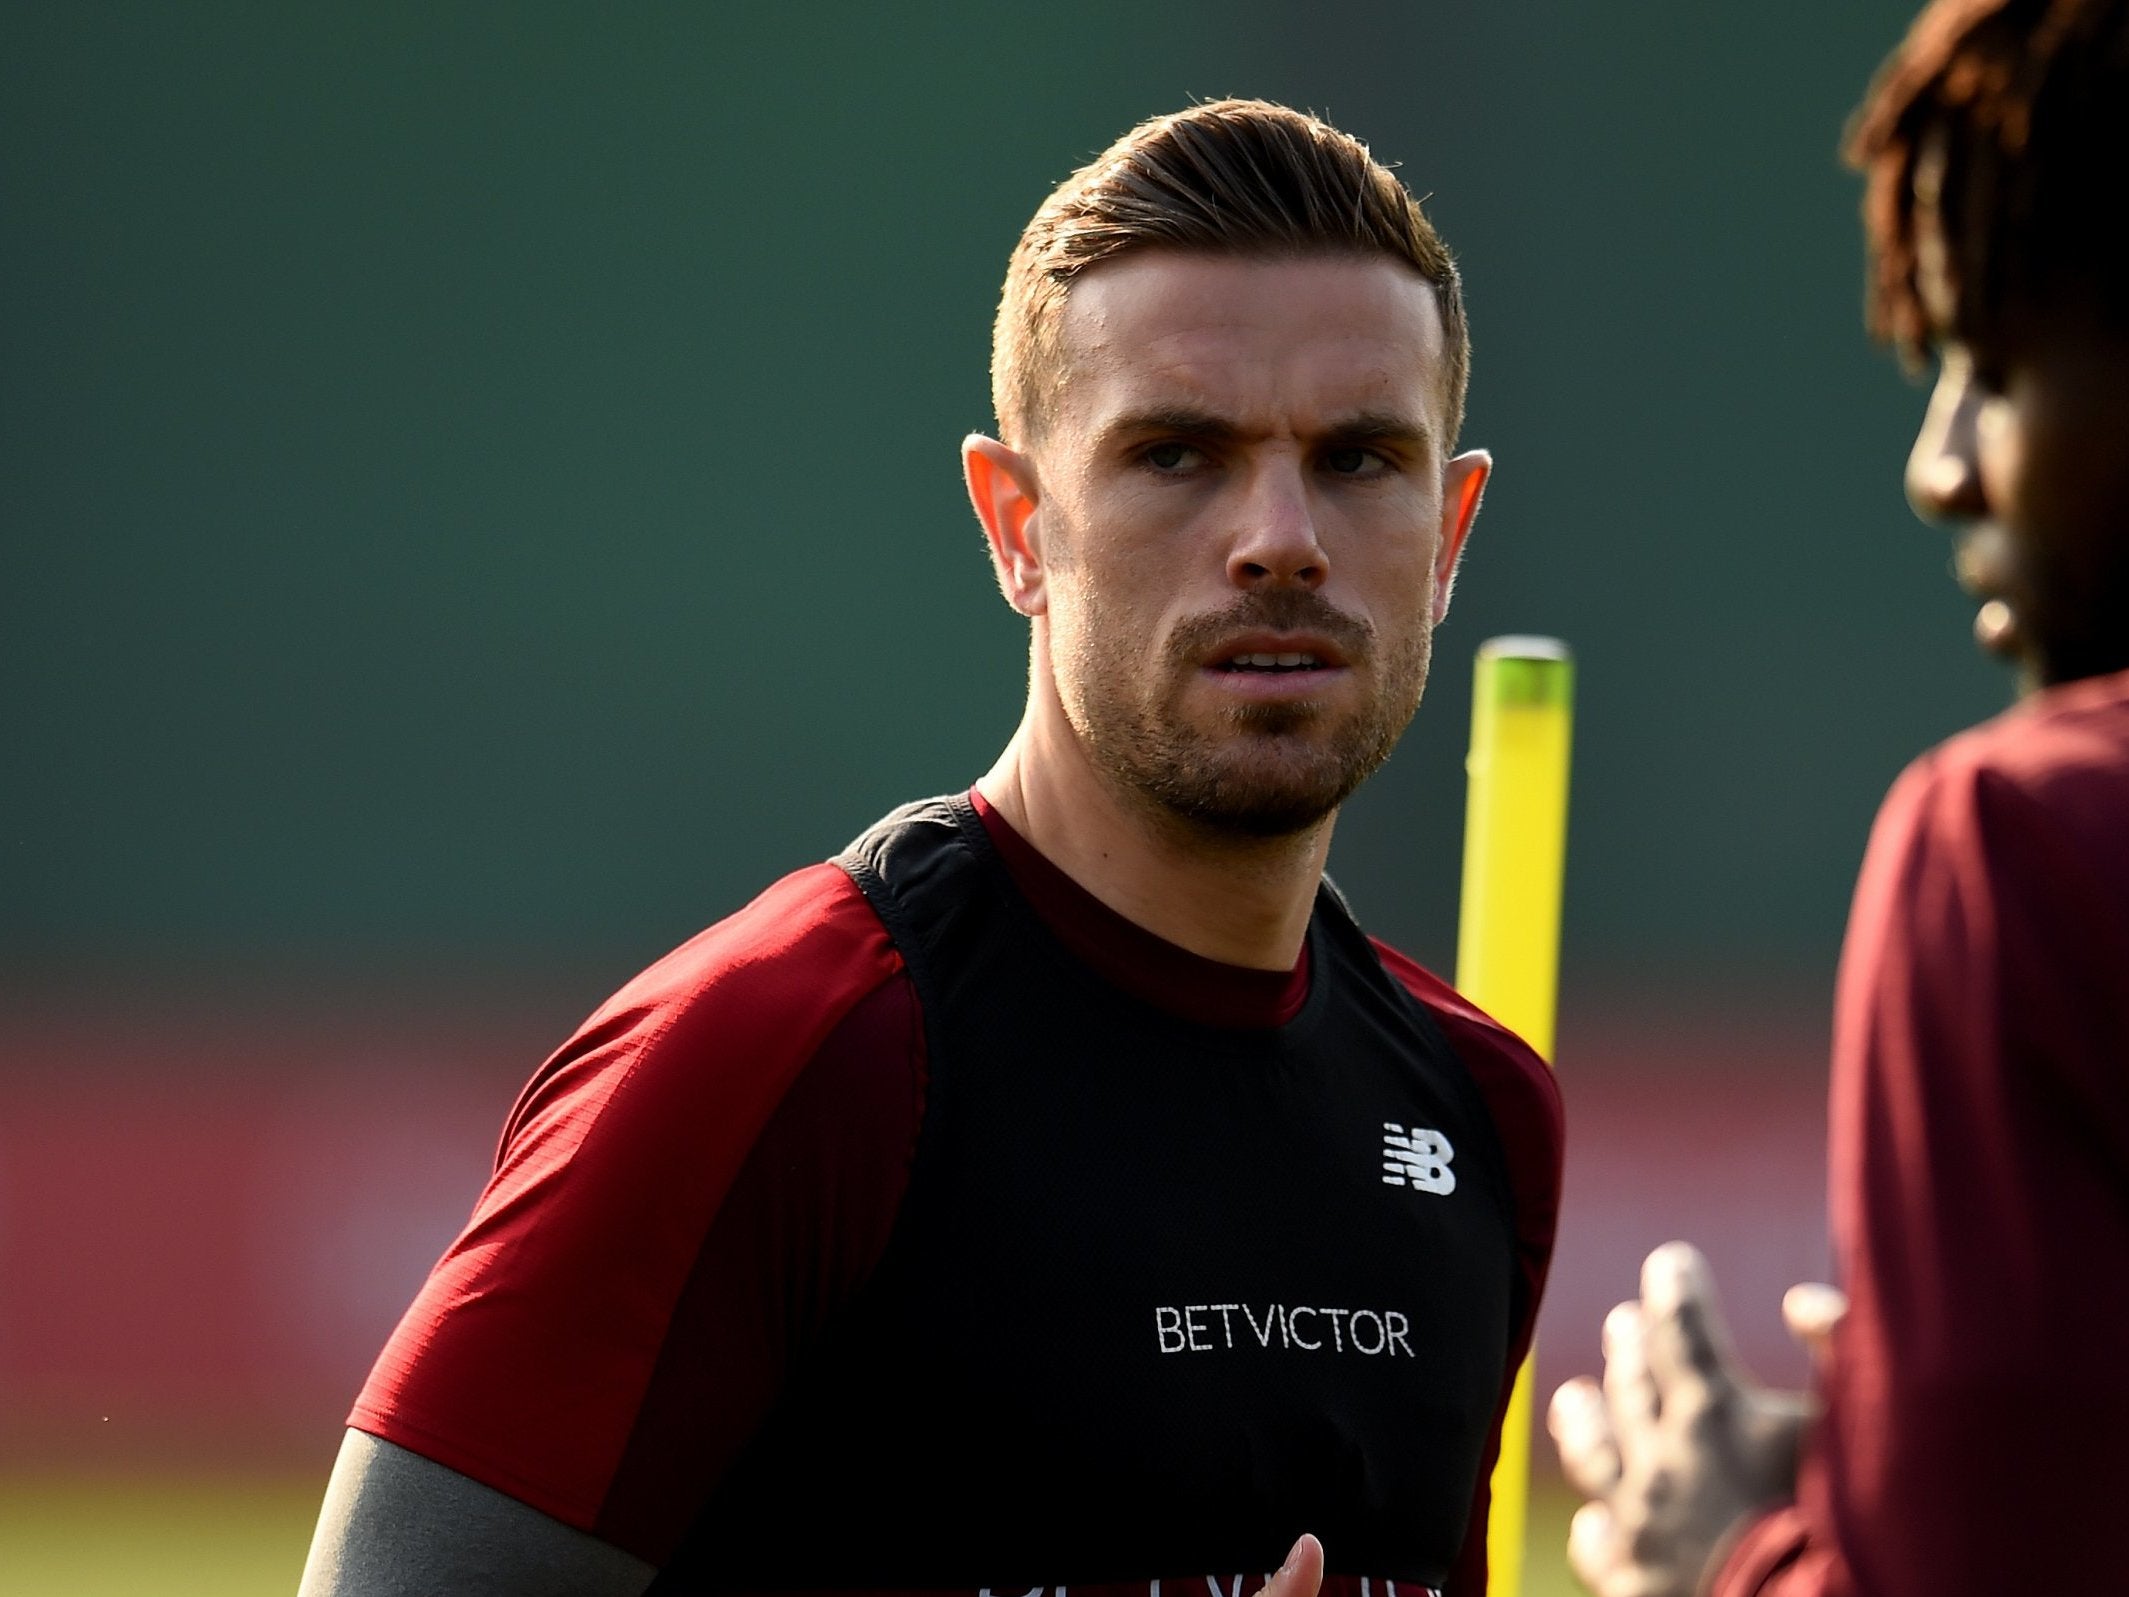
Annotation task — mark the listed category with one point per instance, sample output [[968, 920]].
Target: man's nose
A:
[[1943, 469], [1276, 542]]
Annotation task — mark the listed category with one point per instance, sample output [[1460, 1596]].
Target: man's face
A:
[[2023, 453], [1243, 523]]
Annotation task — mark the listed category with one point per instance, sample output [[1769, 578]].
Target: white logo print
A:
[[1417, 1158]]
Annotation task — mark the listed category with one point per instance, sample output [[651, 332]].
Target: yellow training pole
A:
[[1508, 934]]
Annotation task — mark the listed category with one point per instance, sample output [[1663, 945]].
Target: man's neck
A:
[[1242, 900]]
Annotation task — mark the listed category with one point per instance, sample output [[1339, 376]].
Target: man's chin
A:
[[1267, 770], [1245, 799], [1297, 724]]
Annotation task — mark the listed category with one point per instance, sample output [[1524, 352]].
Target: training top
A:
[[1977, 1396], [927, 1226]]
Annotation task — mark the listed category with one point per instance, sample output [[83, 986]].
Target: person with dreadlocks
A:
[[1967, 1435]]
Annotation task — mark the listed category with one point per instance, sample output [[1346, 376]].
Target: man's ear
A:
[[1463, 486], [1007, 495]]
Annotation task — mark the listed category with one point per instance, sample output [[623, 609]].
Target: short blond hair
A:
[[1232, 177]]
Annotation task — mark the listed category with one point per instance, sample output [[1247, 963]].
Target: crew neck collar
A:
[[1208, 992]]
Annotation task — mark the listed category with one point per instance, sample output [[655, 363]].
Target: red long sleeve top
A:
[[1977, 1396]]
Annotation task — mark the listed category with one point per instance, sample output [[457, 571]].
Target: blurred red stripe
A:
[[206, 1231]]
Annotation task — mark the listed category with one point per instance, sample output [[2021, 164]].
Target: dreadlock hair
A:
[[1230, 177], [2003, 125]]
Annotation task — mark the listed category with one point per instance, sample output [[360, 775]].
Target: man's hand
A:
[[1302, 1573], [1678, 1446]]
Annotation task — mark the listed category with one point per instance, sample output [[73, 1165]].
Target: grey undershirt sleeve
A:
[[394, 1524]]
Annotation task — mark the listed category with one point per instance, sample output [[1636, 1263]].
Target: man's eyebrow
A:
[[1181, 419], [1359, 427], [1382, 427]]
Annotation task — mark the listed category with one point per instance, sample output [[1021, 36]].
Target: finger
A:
[[1582, 1432], [1302, 1573], [1684, 1339], [1628, 1392], [1812, 1310], [1592, 1548]]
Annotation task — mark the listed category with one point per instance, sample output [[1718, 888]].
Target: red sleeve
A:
[[658, 1235], [1524, 1100], [1977, 1395]]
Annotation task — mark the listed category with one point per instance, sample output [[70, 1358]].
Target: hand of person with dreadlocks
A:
[[1678, 1448]]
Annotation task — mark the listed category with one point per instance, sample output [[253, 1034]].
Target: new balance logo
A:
[[1416, 1158]]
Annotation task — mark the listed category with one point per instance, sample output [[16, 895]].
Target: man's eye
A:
[[1354, 462], [1173, 457]]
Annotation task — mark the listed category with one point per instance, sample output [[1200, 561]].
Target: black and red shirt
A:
[[928, 1226]]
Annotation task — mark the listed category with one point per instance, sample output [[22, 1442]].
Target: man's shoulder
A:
[[2070, 732], [742, 1005], [1517, 1083], [1457, 1015], [804, 938], [2057, 763], [785, 1031]]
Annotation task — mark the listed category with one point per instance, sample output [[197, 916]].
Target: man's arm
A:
[[688, 1193], [393, 1524]]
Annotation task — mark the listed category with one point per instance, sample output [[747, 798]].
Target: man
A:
[[1976, 1394], [1056, 1188]]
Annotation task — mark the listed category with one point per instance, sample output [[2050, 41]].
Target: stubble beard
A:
[[1268, 770]]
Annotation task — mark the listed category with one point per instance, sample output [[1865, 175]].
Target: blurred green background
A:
[[480, 500], [481, 480]]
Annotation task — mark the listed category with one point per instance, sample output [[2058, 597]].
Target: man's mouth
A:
[[1984, 566], [1981, 561], [1297, 660], [1266, 668], [1273, 651]]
